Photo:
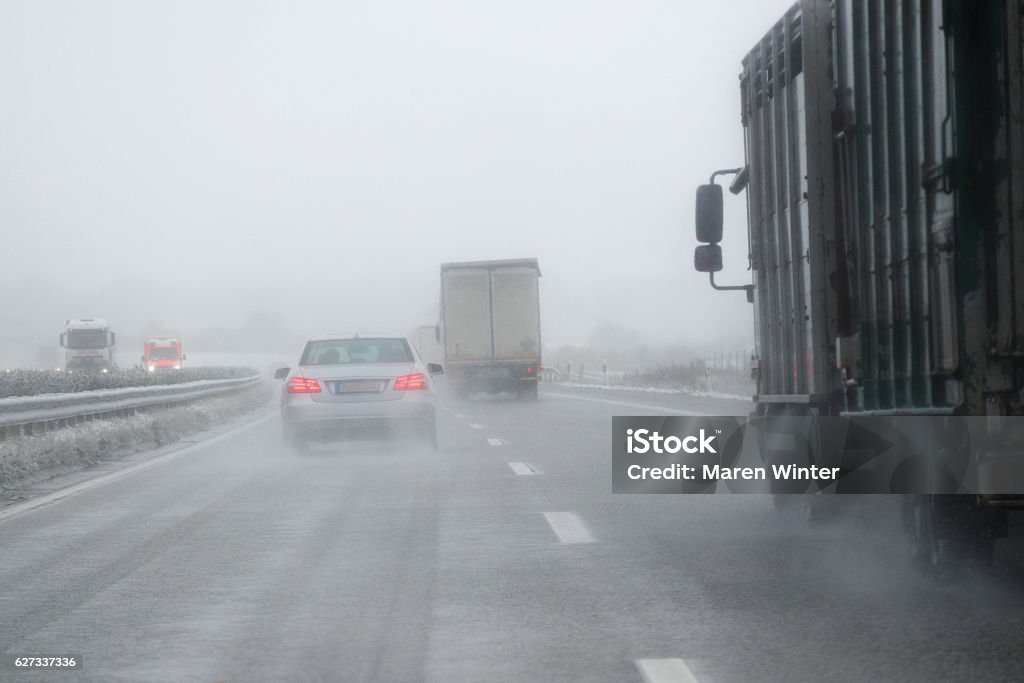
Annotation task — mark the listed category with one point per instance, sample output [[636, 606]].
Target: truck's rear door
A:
[[516, 314], [467, 314]]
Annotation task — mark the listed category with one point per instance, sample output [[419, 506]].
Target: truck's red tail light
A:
[[303, 385], [413, 381]]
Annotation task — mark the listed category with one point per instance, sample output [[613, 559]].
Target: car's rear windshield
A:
[[349, 351]]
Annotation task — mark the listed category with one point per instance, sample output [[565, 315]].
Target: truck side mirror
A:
[[63, 339], [437, 333], [281, 373], [184, 356], [707, 258], [113, 338], [709, 213]]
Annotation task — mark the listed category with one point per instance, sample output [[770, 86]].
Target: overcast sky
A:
[[195, 162]]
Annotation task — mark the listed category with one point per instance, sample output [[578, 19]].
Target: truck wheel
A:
[[947, 533], [527, 392]]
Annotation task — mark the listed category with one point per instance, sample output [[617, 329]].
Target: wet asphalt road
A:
[[502, 558]]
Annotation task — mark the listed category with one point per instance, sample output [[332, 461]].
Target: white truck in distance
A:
[[88, 344], [490, 322]]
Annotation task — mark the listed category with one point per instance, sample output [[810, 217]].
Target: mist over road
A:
[[504, 557]]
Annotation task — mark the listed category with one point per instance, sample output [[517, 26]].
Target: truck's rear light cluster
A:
[[413, 381], [303, 385]]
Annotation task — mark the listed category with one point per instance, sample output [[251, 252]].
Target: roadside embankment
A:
[[34, 457]]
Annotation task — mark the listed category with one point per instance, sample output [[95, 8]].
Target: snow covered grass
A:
[[91, 442], [35, 382]]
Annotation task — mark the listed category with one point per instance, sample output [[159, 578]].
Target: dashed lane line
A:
[[568, 527], [665, 671], [522, 468], [496, 442], [475, 425]]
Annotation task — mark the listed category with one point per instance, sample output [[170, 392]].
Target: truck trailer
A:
[[490, 326], [88, 345], [883, 174]]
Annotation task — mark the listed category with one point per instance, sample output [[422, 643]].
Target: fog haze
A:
[[309, 165]]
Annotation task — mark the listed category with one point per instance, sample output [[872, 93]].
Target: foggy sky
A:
[[192, 163]]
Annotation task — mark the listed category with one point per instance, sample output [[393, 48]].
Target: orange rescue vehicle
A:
[[162, 353]]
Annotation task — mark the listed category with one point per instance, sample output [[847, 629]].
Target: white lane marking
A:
[[522, 468], [568, 527], [665, 671], [459, 415], [641, 406], [81, 487], [496, 442], [475, 425]]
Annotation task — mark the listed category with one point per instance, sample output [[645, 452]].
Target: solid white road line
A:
[[665, 671], [641, 406], [568, 527], [496, 442], [459, 415], [475, 425], [81, 487], [522, 468]]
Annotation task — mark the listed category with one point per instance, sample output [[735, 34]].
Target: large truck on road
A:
[[162, 353], [885, 211], [88, 344], [490, 326]]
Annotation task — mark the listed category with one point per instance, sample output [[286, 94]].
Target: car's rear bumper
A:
[[307, 417]]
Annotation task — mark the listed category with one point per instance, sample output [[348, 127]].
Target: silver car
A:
[[350, 383]]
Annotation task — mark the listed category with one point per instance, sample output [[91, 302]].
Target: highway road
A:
[[502, 558]]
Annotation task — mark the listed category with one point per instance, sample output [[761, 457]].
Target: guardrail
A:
[[35, 414]]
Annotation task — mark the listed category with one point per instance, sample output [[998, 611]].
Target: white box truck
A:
[[490, 324]]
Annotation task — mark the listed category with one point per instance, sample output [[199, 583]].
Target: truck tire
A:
[[527, 392], [946, 534]]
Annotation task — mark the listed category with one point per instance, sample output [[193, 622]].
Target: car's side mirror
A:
[[435, 369], [707, 258], [709, 213], [281, 373]]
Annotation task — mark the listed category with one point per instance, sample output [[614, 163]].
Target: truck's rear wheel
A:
[[947, 533], [527, 392]]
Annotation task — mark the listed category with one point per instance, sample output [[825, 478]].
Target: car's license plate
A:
[[357, 386]]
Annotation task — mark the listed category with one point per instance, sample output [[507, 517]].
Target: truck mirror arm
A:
[[749, 289]]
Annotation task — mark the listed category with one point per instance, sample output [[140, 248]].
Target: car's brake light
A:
[[303, 385], [413, 381]]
